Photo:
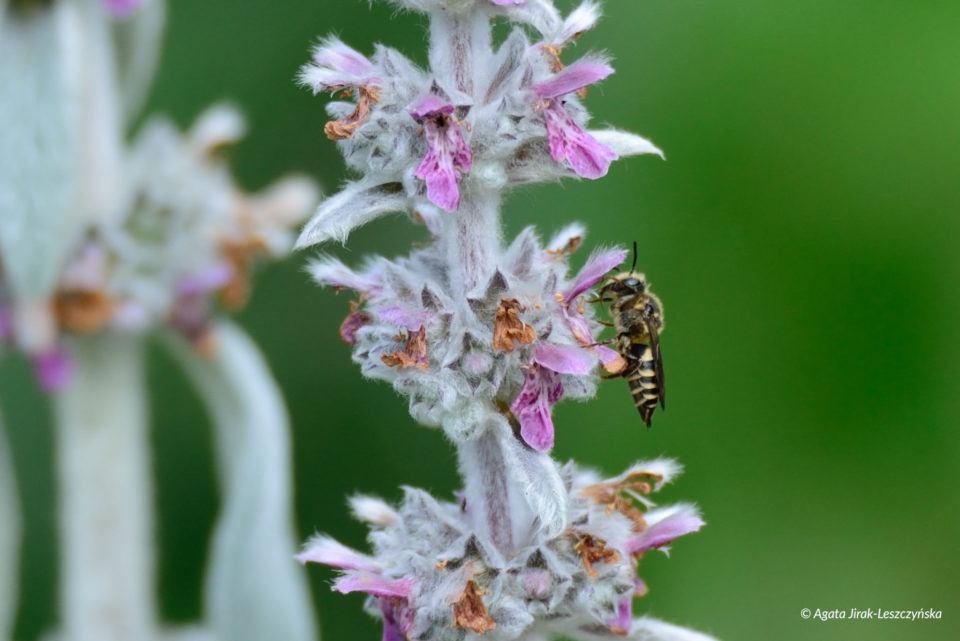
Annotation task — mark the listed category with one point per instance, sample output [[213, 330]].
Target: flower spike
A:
[[482, 337]]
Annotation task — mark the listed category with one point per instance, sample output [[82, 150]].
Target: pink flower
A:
[[337, 66], [53, 369], [567, 141], [121, 8], [621, 625], [542, 388], [328, 551], [664, 527], [405, 318], [353, 322], [592, 273], [397, 619], [373, 584], [447, 157], [364, 575], [209, 280]]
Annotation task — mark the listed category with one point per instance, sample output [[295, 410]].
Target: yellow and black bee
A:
[[638, 319]]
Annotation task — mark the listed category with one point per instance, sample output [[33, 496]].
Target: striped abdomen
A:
[[642, 377]]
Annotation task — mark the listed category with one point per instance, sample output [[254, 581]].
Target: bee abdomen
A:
[[641, 377]]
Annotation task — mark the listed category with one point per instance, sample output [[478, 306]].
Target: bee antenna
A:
[[634, 265]]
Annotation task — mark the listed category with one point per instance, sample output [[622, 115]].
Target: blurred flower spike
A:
[[183, 244], [483, 337]]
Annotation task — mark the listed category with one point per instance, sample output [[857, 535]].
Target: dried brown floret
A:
[[240, 254], [83, 311], [343, 128], [613, 495], [508, 329], [414, 353], [572, 244], [592, 550], [469, 611]]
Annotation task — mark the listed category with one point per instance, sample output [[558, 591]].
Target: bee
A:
[[637, 316]]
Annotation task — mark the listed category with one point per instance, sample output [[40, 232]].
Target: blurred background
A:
[[803, 235]]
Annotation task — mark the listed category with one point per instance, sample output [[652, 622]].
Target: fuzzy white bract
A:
[[483, 337]]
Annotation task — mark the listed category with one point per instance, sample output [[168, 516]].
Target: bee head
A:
[[625, 284]]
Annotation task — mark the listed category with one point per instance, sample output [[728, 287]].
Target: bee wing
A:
[[657, 358]]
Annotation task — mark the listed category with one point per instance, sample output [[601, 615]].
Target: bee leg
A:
[[599, 299], [607, 377], [604, 323], [605, 341]]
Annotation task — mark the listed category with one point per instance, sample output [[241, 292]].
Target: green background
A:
[[803, 235]]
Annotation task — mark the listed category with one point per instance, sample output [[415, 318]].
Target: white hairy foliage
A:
[[138, 42], [537, 479], [354, 206], [625, 143], [38, 147], [254, 589], [372, 510]]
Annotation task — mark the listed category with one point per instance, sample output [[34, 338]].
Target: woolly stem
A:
[[106, 495], [472, 239], [459, 43], [254, 590], [9, 540], [485, 486]]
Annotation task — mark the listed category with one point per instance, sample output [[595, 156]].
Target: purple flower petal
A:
[[373, 584], [190, 314], [209, 280], [333, 53], [121, 8], [391, 629], [565, 359], [405, 318], [447, 154], [431, 106], [325, 550], [621, 625], [605, 353], [541, 389], [352, 324], [684, 521], [506, 2], [337, 66], [567, 141], [53, 369], [593, 272], [577, 76]]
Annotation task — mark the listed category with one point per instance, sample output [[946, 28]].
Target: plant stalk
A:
[[106, 493]]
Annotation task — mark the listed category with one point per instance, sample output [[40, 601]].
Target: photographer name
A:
[[878, 614]]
